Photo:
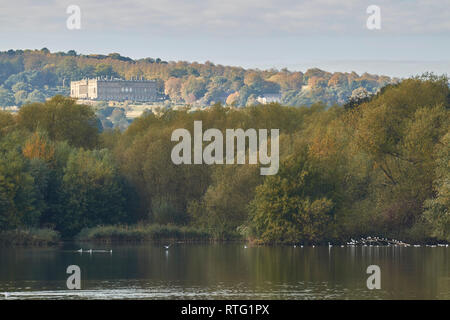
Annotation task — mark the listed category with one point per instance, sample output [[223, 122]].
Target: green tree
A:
[[293, 206], [105, 70], [18, 203], [437, 209], [20, 97], [6, 120], [193, 89], [21, 86], [223, 208], [6, 97], [92, 191], [399, 130], [36, 96], [63, 119]]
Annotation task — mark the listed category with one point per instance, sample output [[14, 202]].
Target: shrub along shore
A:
[[113, 233], [143, 233], [30, 237]]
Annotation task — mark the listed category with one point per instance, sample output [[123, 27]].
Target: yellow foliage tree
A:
[[38, 147]]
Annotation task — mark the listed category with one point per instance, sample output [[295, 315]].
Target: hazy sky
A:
[[330, 34]]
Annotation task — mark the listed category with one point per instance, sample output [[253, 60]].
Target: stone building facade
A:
[[114, 89]]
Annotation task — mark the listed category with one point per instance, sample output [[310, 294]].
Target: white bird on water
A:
[[329, 245], [92, 251], [245, 246], [167, 247]]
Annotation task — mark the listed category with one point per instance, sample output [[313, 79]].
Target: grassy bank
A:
[[29, 237], [141, 233]]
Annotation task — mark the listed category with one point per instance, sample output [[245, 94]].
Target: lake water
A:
[[225, 271]]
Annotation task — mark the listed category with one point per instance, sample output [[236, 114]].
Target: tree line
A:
[[33, 75], [378, 166]]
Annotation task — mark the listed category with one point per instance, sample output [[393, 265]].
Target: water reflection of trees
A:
[[405, 272]]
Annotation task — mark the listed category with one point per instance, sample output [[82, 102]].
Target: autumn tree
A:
[[38, 147], [63, 120]]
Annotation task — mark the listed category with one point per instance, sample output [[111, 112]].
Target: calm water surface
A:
[[225, 271]]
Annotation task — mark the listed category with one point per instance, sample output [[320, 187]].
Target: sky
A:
[[414, 35]]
